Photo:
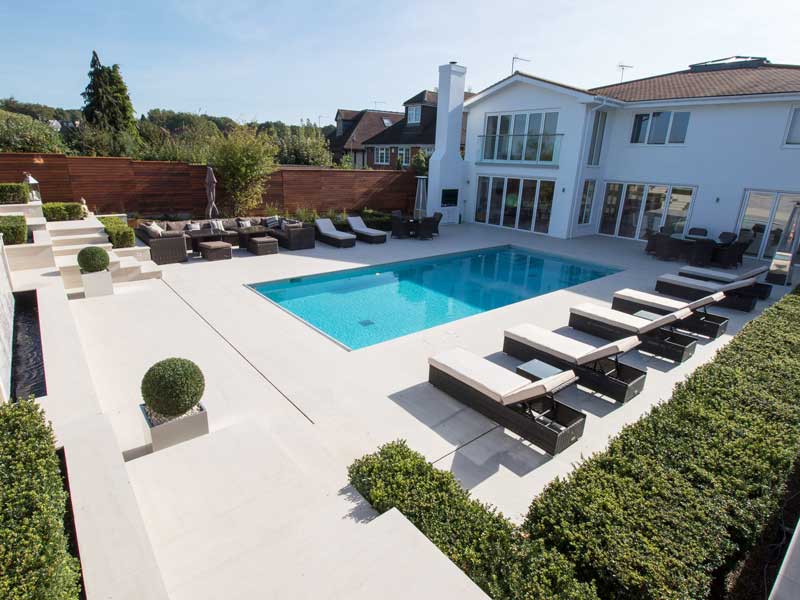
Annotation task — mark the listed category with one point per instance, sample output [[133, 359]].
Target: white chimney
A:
[[446, 167]]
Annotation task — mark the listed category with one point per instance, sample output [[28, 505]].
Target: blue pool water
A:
[[366, 306]]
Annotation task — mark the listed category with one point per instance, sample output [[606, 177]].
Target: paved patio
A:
[[273, 377]]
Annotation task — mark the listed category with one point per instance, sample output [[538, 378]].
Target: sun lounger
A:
[[761, 290], [525, 407], [700, 321], [597, 367], [327, 233], [689, 288], [656, 335], [364, 233]]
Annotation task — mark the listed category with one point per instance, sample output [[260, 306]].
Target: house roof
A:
[[399, 134], [430, 98], [364, 125], [727, 77]]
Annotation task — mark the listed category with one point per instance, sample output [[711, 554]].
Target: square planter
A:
[[97, 284], [177, 430]]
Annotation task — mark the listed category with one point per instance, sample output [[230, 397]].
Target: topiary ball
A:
[[93, 259], [173, 386]]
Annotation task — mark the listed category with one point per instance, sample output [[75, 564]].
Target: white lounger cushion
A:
[[492, 380], [357, 224], [327, 227], [707, 286], [717, 275], [567, 349], [621, 320], [666, 303]]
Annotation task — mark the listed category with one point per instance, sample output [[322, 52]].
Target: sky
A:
[[293, 60]]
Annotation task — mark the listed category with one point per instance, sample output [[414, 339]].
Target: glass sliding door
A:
[[653, 211], [544, 206], [756, 219], [482, 202], [611, 202], [511, 204], [680, 200], [496, 200], [783, 210], [526, 205], [629, 218]]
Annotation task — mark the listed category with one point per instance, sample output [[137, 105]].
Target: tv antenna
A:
[[514, 62], [376, 102], [621, 66]]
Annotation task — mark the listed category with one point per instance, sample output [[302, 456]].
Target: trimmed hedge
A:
[[93, 259], [376, 219], [15, 193], [119, 233], [34, 557], [63, 211], [14, 229], [173, 386], [479, 540]]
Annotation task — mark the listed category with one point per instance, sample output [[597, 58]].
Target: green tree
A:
[[419, 162], [346, 162], [242, 160], [21, 133]]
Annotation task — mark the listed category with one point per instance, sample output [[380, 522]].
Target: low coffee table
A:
[[215, 250], [536, 369], [203, 235], [262, 245]]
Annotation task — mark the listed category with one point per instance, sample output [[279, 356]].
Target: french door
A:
[[514, 202], [765, 217], [638, 210]]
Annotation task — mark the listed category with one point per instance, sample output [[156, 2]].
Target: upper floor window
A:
[[596, 147], [529, 137], [660, 127], [381, 155], [793, 135], [387, 122], [414, 114]]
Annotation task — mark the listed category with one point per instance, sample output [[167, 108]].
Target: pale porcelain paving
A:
[[333, 405]]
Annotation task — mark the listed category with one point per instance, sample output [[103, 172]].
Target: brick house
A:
[[353, 127]]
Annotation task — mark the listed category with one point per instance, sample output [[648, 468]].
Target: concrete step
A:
[[85, 239], [126, 269], [73, 250], [149, 270], [141, 253]]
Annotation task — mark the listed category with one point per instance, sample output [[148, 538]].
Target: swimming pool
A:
[[366, 306]]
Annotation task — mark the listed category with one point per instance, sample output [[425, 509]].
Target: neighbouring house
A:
[[353, 127], [415, 132], [715, 146]]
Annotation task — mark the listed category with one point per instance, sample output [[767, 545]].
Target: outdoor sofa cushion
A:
[[624, 321], [154, 230], [565, 348], [326, 227], [272, 222], [660, 302], [176, 225], [492, 380], [717, 275], [706, 286]]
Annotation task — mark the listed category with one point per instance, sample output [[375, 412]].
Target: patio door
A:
[[637, 210], [765, 217], [514, 202]]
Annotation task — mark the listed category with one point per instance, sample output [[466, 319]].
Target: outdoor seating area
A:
[[696, 248], [423, 228]]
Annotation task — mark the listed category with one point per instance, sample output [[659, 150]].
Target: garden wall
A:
[[148, 188]]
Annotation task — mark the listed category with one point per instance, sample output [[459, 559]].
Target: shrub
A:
[[306, 215], [93, 259], [680, 496], [33, 553], [14, 229], [15, 193], [21, 133], [173, 386], [419, 162], [377, 219], [119, 233], [486, 546], [63, 211]]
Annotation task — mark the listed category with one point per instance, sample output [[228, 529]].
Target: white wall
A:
[[729, 148], [6, 326], [525, 97]]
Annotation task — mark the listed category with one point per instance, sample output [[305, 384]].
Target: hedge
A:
[[479, 540], [63, 211], [14, 229], [119, 233], [376, 219], [34, 559], [666, 512], [15, 193]]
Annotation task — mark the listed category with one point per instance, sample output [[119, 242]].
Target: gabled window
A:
[[596, 147], [414, 114], [793, 135], [381, 155], [660, 128]]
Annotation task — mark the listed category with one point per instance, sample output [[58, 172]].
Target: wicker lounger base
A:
[[673, 346], [534, 422], [370, 238], [261, 246], [761, 291], [215, 250], [700, 322], [333, 241], [733, 300], [608, 377]]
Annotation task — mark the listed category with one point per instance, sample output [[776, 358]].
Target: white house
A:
[[716, 146]]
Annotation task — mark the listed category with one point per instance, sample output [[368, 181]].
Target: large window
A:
[[381, 155], [660, 128], [793, 135], [636, 210], [599, 128], [587, 198], [523, 136], [414, 114], [516, 203]]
